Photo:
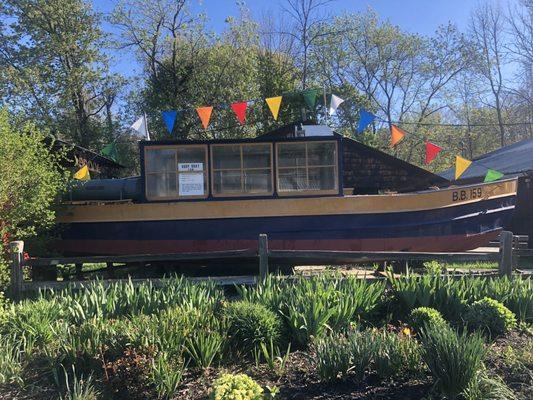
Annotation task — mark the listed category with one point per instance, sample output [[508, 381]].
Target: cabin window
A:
[[176, 172], [307, 167], [242, 169]]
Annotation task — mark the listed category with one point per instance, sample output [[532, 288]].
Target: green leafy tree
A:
[[54, 69], [187, 67], [30, 182]]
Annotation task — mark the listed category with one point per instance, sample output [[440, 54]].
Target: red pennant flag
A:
[[431, 151], [240, 111]]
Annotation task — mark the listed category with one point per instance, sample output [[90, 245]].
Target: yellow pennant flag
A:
[[83, 174], [274, 104], [461, 165]]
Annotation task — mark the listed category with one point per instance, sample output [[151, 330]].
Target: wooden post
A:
[[516, 246], [110, 271], [263, 257], [79, 269], [506, 254], [17, 258]]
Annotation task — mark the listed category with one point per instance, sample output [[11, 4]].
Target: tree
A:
[[185, 68], [487, 30], [306, 29], [54, 67], [31, 181]]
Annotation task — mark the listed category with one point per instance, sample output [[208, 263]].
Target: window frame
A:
[[242, 193], [177, 173], [308, 192]]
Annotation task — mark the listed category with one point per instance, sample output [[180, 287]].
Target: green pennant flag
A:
[[310, 98], [110, 151], [492, 175]]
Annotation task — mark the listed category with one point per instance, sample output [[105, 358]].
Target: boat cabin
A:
[[229, 169]]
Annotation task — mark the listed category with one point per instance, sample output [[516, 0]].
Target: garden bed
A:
[[323, 337]]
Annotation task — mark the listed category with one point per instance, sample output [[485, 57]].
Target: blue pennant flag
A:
[[365, 119], [170, 118]]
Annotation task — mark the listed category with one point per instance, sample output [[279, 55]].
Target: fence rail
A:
[[506, 257]]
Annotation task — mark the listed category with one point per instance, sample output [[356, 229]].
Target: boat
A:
[[203, 196]]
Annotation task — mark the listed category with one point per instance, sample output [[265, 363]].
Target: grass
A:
[[116, 341]]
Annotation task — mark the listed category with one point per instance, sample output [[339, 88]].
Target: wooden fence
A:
[[506, 258]]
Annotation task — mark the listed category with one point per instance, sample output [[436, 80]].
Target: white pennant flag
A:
[[141, 126], [335, 102]]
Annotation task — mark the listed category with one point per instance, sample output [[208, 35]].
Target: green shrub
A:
[[453, 359], [233, 387], [490, 315], [250, 324], [333, 357], [423, 317]]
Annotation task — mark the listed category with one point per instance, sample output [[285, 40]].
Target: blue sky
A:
[[416, 16]]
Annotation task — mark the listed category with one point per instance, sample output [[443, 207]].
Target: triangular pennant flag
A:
[[83, 174], [396, 135], [274, 103], [141, 126], [365, 119], [461, 165], [205, 115], [492, 175], [334, 103], [110, 151], [431, 151], [310, 98], [170, 118], [240, 111]]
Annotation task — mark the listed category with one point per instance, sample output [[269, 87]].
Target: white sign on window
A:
[[190, 167], [191, 184]]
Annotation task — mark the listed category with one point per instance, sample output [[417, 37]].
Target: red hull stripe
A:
[[449, 243]]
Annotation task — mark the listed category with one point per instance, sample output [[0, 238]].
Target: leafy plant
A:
[[33, 322], [239, 386], [454, 359], [362, 349], [490, 315], [204, 347], [275, 360], [127, 299], [76, 388], [423, 317], [485, 387], [333, 357], [10, 361], [395, 354], [434, 267], [166, 376], [251, 324]]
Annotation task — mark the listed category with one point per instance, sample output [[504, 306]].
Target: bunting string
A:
[[309, 98]]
